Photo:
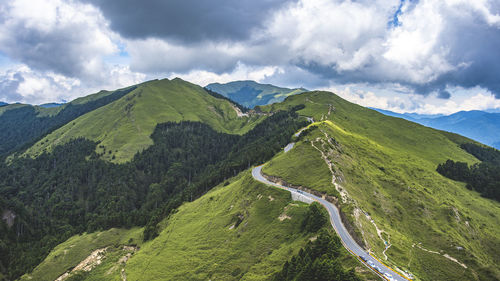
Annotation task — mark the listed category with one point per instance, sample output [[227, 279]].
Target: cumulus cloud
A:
[[25, 85], [467, 99], [157, 56], [63, 37], [434, 44], [60, 49], [9, 82], [240, 72], [459, 49]]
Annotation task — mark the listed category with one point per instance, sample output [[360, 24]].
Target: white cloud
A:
[[468, 99], [22, 84], [367, 99], [64, 37], [411, 47], [241, 72], [479, 101], [156, 55], [60, 50], [341, 33]]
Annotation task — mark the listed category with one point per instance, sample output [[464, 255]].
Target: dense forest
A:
[[23, 125], [71, 190], [483, 177], [319, 260]]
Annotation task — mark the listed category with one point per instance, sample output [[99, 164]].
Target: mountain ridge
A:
[[383, 169], [124, 126]]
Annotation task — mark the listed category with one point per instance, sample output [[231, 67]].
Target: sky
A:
[[427, 56]]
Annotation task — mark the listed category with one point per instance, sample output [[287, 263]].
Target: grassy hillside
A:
[[313, 173], [242, 230], [436, 228], [123, 127], [251, 93], [77, 248], [233, 232]]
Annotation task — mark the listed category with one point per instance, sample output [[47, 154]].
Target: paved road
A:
[[336, 222], [289, 146]]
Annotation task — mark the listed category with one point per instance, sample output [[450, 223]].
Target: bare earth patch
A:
[[94, 259]]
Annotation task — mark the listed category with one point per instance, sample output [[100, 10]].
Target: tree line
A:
[[483, 177]]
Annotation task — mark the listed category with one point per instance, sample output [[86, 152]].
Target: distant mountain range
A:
[[45, 105], [51, 105], [251, 93], [478, 125]]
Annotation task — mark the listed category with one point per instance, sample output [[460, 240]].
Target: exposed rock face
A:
[[8, 216]]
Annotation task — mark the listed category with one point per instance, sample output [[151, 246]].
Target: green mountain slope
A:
[[251, 93], [123, 127], [234, 232], [242, 230], [385, 169]]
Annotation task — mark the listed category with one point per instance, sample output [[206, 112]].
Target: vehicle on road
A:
[[388, 276]]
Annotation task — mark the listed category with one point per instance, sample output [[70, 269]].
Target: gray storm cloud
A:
[[187, 21]]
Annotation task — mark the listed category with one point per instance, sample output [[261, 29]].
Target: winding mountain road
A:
[[371, 262]]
